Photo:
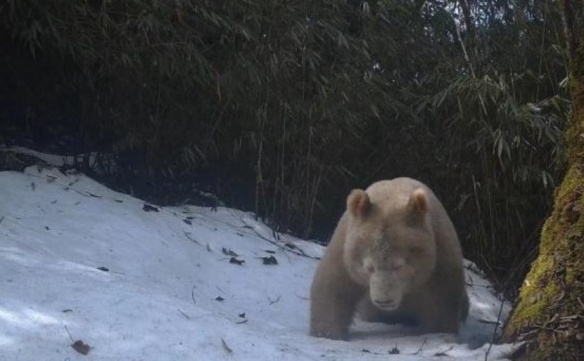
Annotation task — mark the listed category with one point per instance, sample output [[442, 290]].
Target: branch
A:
[[572, 18]]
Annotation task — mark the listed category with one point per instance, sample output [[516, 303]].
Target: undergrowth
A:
[[282, 108]]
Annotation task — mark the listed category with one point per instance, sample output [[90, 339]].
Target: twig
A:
[[69, 333], [193, 294], [464, 51], [495, 329], [483, 286], [227, 348], [443, 353], [77, 191], [304, 298], [275, 241], [274, 301], [371, 352], [421, 347], [296, 251], [190, 238], [469, 281], [184, 314], [1, 219]]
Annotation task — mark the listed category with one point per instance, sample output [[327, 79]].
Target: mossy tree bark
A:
[[549, 314]]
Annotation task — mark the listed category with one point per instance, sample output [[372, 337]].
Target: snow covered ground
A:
[[87, 273]]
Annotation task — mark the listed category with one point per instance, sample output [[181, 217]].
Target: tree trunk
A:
[[549, 314]]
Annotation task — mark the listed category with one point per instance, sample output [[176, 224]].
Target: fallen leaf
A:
[[271, 260], [236, 261], [81, 347]]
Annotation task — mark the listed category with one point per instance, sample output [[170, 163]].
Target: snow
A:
[[167, 290]]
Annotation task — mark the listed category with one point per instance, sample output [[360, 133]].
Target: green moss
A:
[[570, 274], [540, 288], [550, 287], [533, 297]]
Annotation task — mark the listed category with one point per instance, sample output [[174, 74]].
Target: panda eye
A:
[[368, 267]]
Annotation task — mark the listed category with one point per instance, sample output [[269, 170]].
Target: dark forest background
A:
[[282, 107]]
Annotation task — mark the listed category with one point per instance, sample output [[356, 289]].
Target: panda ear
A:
[[418, 203], [358, 203]]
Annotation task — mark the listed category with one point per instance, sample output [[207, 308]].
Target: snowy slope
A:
[[80, 262]]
